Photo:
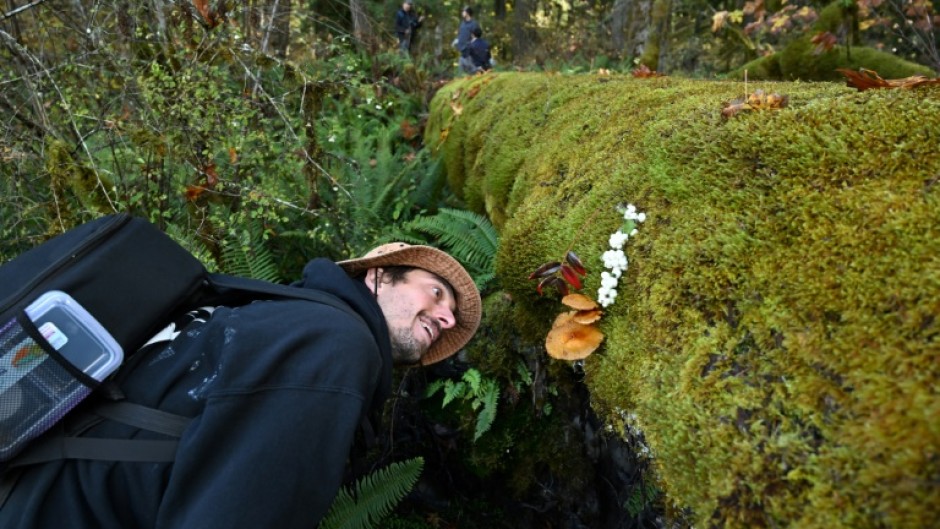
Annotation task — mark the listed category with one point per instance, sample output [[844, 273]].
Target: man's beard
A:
[[406, 349]]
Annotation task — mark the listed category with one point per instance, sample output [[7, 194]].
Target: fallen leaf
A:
[[409, 131], [644, 72], [758, 100], [456, 107], [865, 79], [579, 302], [824, 42], [573, 341], [719, 19], [474, 90]]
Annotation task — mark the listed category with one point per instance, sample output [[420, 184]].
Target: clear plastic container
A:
[[36, 390]]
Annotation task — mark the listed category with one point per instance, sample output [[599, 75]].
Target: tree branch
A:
[[18, 10]]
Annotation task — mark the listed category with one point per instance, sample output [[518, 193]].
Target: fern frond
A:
[[490, 399], [433, 388], [373, 497], [245, 254], [452, 391], [469, 237], [474, 378]]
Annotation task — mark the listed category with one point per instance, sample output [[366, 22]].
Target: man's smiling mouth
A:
[[431, 329]]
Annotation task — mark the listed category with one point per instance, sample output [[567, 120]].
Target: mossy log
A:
[[776, 336], [801, 60]]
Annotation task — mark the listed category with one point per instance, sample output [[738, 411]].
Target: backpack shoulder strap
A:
[[227, 286]]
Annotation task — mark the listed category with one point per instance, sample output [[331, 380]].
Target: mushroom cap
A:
[[579, 302], [573, 341]]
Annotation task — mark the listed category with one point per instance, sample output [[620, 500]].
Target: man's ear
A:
[[373, 278]]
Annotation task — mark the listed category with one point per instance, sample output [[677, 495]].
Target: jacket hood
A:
[[326, 276]]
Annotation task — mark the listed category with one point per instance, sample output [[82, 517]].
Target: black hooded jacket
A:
[[277, 389]]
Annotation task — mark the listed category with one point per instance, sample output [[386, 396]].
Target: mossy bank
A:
[[776, 335]]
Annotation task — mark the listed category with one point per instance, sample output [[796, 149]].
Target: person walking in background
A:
[[479, 51], [464, 36], [405, 25]]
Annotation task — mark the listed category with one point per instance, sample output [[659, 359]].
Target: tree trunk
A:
[[499, 9], [522, 37], [656, 41], [362, 28], [277, 30]]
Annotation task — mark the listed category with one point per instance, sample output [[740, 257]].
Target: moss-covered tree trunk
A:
[[774, 339], [657, 38]]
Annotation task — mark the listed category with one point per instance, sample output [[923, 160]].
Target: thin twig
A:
[[18, 10]]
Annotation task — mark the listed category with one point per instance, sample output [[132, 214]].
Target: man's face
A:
[[417, 309], [406, 7]]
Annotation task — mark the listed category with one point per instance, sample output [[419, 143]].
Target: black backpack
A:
[[132, 279]]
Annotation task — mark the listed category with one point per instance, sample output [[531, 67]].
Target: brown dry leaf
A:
[[579, 301], [444, 134], [644, 72], [719, 19], [456, 95], [762, 101], [474, 90], [731, 108], [587, 317], [865, 79], [824, 41], [456, 107], [759, 100], [408, 130], [573, 341]]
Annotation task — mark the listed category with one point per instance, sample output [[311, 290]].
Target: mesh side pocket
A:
[[35, 389]]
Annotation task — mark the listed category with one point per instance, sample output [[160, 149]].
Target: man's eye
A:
[[437, 292]]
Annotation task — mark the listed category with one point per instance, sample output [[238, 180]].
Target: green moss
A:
[[776, 332]]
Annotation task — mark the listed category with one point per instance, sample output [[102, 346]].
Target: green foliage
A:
[[202, 133], [373, 497], [480, 392], [244, 253], [468, 237], [641, 498], [777, 341]]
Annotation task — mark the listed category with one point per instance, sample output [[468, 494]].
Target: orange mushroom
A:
[[573, 341], [587, 317], [579, 302]]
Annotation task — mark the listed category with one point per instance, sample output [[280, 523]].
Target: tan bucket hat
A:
[[469, 306]]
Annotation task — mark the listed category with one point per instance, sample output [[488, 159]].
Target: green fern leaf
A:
[[452, 391], [373, 497], [474, 378], [433, 388], [245, 254], [469, 237], [490, 399]]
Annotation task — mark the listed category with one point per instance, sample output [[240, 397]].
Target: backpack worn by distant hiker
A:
[[73, 308]]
